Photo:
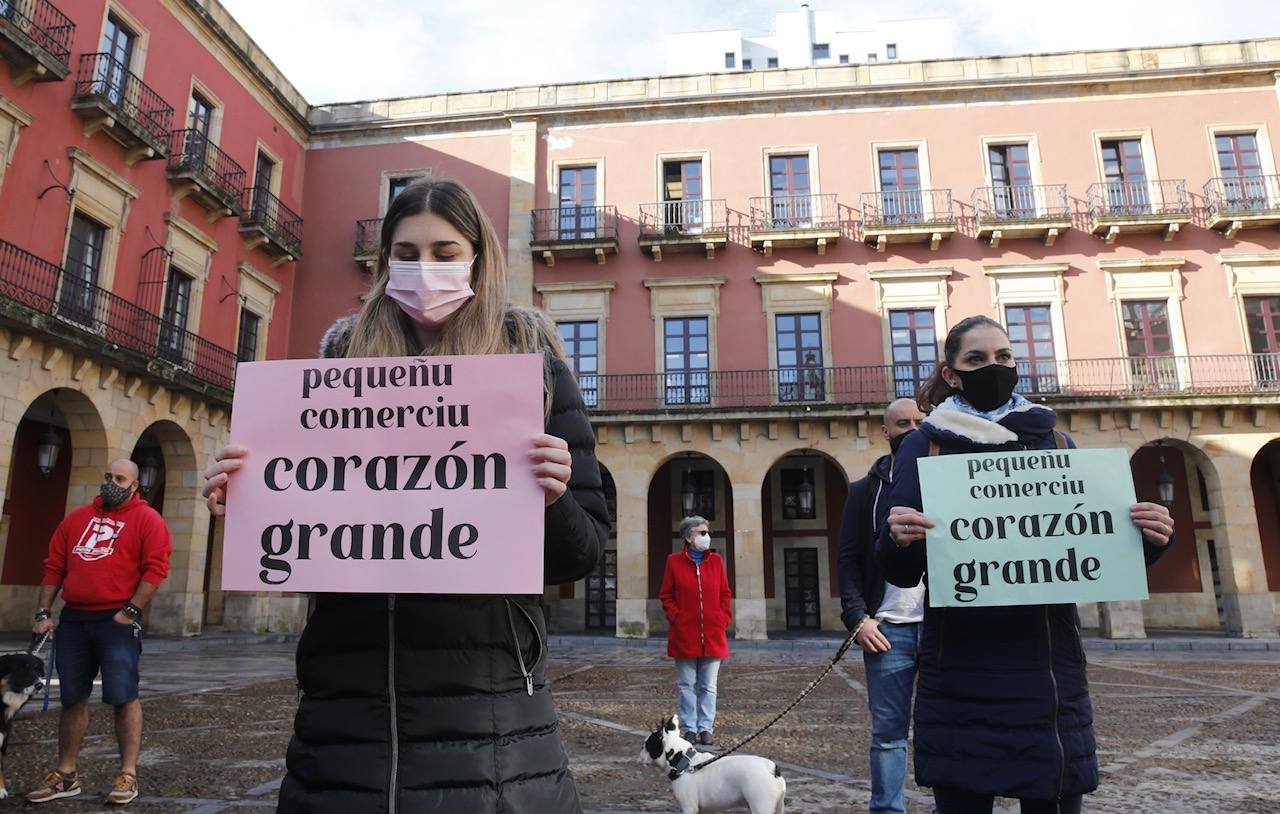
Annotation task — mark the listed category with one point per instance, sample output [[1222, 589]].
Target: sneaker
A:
[[704, 738], [123, 790], [56, 786], [691, 737]]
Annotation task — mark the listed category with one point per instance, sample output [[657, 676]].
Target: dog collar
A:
[[681, 763]]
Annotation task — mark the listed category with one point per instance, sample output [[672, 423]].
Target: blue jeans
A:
[[891, 681], [83, 649], [696, 679]]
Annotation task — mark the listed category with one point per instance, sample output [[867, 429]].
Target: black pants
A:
[[957, 801]]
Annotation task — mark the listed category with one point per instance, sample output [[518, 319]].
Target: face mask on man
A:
[[988, 388], [430, 293], [702, 542], [113, 494]]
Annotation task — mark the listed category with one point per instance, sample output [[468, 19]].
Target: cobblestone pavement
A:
[[1180, 730]]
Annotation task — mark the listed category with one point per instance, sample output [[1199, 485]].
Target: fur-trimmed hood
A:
[[337, 337], [1022, 427]]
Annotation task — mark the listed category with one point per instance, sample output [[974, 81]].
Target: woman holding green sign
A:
[[440, 703], [1003, 705]]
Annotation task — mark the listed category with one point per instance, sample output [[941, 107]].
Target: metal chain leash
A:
[[844, 648]]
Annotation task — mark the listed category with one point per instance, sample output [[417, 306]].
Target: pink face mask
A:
[[429, 292]]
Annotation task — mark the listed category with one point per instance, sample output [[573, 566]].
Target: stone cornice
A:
[[856, 83]]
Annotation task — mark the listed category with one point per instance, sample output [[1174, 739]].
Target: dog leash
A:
[[844, 648], [34, 650]]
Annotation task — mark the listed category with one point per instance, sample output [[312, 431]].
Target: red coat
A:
[[697, 601]]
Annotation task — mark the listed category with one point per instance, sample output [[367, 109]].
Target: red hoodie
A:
[[100, 557]]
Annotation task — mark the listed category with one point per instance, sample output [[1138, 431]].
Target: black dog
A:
[[21, 676]]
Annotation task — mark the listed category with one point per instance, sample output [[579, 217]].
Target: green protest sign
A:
[[1026, 528]]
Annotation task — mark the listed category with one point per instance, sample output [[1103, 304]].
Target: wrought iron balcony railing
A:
[[1123, 199], [110, 82], [368, 239], [192, 152], [1021, 203], [788, 213], [1075, 379], [43, 24], [575, 224], [45, 288], [1242, 195], [907, 207], [684, 218], [281, 225]]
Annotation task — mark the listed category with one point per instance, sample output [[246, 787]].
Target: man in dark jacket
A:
[[886, 618]]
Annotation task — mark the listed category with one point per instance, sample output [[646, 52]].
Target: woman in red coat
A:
[[696, 598]]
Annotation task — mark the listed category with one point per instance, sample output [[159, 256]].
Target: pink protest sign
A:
[[386, 475]]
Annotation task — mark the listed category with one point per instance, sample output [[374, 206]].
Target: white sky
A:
[[348, 50]]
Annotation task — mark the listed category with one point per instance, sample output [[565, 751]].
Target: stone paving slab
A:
[[1180, 731]]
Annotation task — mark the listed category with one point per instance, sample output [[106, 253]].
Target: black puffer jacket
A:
[[439, 704], [1003, 704]]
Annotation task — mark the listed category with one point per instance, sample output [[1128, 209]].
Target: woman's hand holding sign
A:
[[906, 525], [552, 465], [229, 459], [1155, 522]]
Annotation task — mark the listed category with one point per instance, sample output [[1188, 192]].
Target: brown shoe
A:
[[124, 790], [56, 786]]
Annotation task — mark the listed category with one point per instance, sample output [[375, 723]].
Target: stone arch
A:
[[179, 607], [1182, 582], [810, 538], [1264, 476], [711, 492], [38, 503]]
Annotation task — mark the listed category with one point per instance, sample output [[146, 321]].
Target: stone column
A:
[[632, 612], [749, 612], [1121, 620], [178, 608], [1246, 602], [523, 172]]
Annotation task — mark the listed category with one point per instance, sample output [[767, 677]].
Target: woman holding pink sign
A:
[[433, 703], [1003, 707]]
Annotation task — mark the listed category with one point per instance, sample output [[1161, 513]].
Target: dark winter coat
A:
[[697, 601], [865, 510], [439, 704], [1003, 701]]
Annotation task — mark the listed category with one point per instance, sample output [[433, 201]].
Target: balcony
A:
[[1119, 207], [39, 295], [199, 169], [35, 38], [268, 224], [791, 221], [907, 216], [683, 226], [112, 100], [808, 389], [1237, 203], [574, 231], [1013, 212], [368, 243]]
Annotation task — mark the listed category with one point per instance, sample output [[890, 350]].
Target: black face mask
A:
[[988, 388], [896, 441], [113, 495]]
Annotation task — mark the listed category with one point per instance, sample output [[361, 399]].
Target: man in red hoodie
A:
[[108, 559]]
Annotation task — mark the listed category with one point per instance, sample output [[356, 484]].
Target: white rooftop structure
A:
[[807, 38]]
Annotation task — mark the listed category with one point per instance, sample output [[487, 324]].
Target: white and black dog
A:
[[21, 676], [736, 780]]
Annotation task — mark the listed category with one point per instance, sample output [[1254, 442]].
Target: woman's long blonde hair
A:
[[486, 324]]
